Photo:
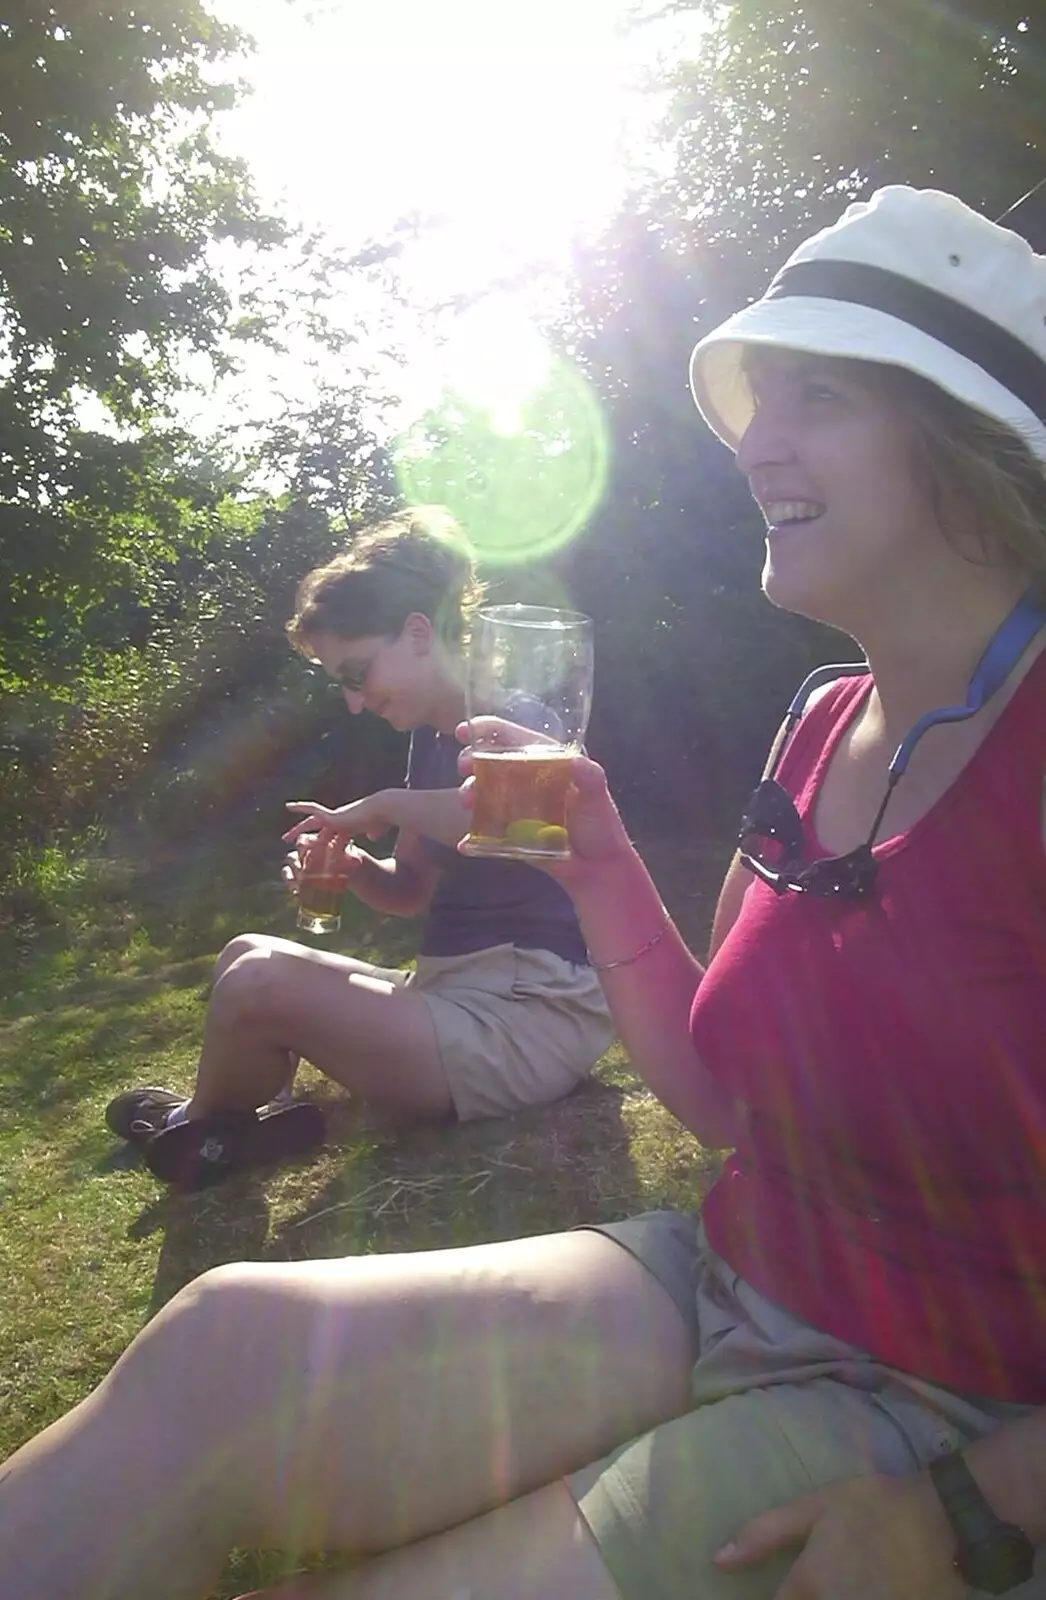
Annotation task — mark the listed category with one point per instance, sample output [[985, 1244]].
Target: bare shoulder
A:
[[820, 693], [737, 879]]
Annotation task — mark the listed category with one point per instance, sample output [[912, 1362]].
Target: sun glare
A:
[[493, 358], [506, 131], [503, 120], [504, 433]]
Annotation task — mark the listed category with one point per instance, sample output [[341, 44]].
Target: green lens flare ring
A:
[[522, 480]]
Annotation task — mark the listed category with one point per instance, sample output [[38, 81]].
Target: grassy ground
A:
[[91, 1245]]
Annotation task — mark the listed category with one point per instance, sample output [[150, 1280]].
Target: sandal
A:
[[206, 1150], [138, 1114]]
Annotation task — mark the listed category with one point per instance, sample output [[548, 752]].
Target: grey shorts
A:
[[778, 1409], [513, 1027]]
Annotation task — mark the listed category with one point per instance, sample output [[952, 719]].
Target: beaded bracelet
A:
[[644, 949]]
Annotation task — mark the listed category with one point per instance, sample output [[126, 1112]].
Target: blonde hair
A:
[[417, 560], [986, 484]]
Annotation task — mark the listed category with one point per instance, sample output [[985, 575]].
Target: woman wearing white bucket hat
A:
[[833, 1385]]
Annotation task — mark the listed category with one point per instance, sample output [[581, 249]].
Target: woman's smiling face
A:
[[829, 458]]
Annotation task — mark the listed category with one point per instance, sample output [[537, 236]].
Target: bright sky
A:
[[514, 125], [507, 118]]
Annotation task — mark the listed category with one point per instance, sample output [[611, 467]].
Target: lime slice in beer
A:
[[533, 831], [527, 830]]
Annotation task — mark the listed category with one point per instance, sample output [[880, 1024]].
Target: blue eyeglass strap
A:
[[1005, 649], [818, 678], [813, 681]]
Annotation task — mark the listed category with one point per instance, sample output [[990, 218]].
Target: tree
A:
[[791, 108], [787, 111], [111, 194]]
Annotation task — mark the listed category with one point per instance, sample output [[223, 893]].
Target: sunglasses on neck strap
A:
[[771, 812]]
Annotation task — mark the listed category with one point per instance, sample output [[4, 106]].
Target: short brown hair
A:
[[417, 560]]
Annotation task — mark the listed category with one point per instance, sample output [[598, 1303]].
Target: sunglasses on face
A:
[[352, 675], [771, 813]]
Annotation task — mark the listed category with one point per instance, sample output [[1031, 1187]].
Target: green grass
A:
[[104, 985]]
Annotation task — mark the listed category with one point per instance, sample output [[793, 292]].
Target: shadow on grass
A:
[[203, 1230], [379, 1186], [536, 1172]]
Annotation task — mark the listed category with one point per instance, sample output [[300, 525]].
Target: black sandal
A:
[[206, 1150]]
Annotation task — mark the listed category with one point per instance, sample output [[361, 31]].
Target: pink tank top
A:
[[889, 1185]]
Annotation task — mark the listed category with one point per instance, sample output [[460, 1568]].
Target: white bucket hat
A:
[[913, 278]]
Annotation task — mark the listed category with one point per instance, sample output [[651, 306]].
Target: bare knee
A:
[[185, 1400], [251, 987], [193, 1353], [243, 945]]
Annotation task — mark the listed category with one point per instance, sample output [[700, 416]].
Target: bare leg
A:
[[240, 946], [349, 1405], [274, 1000], [536, 1548]]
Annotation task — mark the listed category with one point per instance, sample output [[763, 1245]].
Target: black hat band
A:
[[998, 353]]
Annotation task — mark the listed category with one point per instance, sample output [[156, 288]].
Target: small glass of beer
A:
[[322, 882], [531, 667]]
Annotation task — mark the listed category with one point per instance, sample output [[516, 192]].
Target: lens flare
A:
[[515, 444]]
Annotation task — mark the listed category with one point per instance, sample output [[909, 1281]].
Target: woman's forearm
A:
[[389, 885], [620, 911], [434, 813]]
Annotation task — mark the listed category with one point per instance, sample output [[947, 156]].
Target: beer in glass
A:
[[322, 881], [530, 668]]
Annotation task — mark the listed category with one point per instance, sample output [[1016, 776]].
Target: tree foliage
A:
[[111, 192], [112, 195], [141, 558], [792, 108]]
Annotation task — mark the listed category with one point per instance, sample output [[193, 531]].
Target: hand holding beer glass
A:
[[321, 879], [530, 666]]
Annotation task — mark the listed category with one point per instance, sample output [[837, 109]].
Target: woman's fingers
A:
[[317, 819], [588, 776]]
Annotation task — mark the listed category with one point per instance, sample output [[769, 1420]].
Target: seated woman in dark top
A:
[[503, 1010]]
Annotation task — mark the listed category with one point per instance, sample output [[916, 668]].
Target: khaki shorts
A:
[[779, 1409], [514, 1027]]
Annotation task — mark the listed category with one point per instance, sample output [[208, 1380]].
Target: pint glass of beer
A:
[[531, 667], [322, 882]]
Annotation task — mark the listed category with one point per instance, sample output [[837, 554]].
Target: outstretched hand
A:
[[368, 818], [873, 1538]]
